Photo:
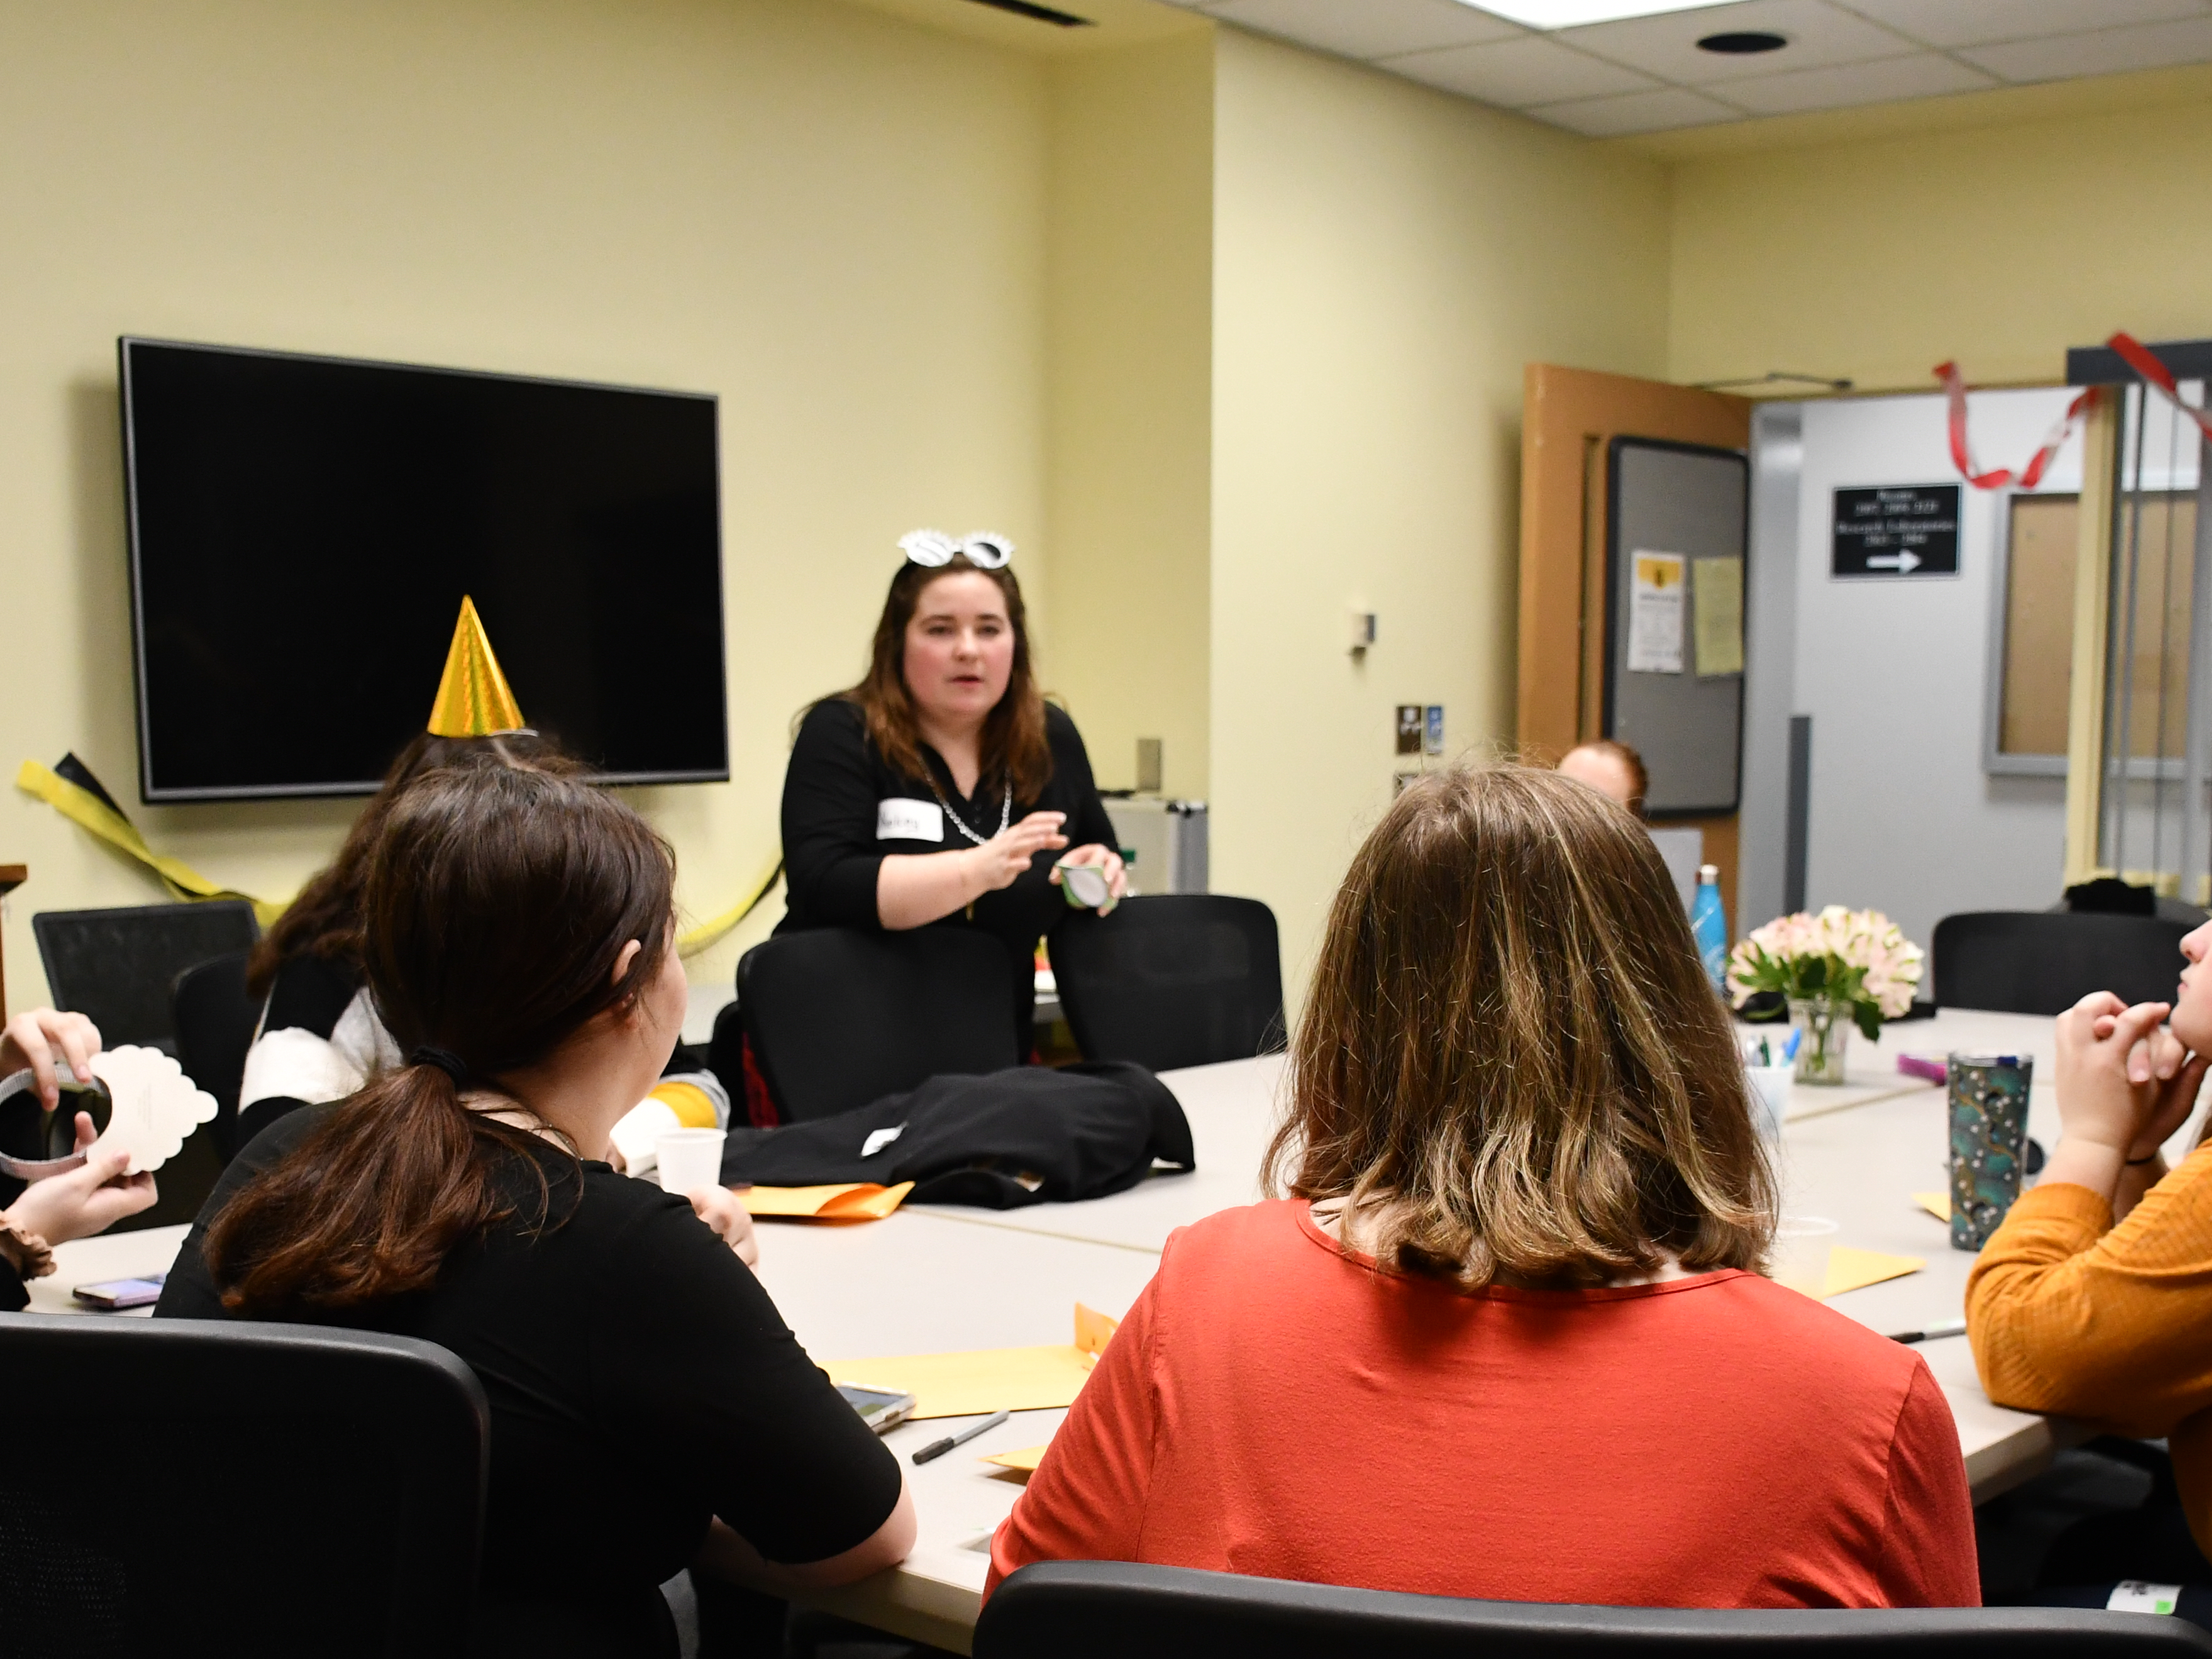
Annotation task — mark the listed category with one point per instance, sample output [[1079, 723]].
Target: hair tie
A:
[[445, 1060]]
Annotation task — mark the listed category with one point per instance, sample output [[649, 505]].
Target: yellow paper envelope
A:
[[1936, 1204], [1025, 1460], [1851, 1269], [985, 1380], [855, 1201]]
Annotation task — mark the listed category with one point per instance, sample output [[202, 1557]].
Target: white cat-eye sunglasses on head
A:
[[985, 550]]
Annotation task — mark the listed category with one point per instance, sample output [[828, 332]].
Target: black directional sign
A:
[[1897, 530]]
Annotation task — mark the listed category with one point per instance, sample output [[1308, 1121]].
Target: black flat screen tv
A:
[[302, 530]]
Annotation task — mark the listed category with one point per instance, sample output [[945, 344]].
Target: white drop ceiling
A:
[[1648, 75]]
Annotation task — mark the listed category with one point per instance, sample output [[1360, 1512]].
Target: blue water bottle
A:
[[1709, 924]]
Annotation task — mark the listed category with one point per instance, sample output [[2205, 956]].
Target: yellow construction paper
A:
[[1851, 1269], [986, 1380], [1025, 1460], [1936, 1204], [976, 1384], [853, 1200]]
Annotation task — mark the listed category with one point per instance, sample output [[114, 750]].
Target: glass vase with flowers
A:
[[1836, 969]]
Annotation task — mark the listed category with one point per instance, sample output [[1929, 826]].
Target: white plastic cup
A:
[[1800, 1252], [688, 1158], [1771, 1086]]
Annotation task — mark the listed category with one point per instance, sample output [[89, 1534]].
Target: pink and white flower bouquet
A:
[[1857, 959]]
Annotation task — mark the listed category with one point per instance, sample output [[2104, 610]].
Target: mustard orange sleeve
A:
[[1086, 1500], [2068, 1313]]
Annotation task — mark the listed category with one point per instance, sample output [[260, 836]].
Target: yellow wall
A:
[[831, 217], [1130, 289], [1386, 259], [1847, 248]]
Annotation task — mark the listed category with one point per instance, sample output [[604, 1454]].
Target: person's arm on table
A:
[[2068, 1312], [726, 1554], [1086, 1500], [688, 1345]]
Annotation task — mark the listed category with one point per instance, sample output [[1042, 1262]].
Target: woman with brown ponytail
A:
[[518, 943]]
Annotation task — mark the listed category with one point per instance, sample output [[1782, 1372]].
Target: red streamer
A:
[[2131, 351]]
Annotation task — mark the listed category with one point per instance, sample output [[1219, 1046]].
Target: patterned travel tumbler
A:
[[1988, 1100]]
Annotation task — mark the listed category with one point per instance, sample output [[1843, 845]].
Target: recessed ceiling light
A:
[[1741, 43], [1567, 13]]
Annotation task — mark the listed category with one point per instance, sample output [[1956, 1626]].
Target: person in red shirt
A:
[[1506, 1337]]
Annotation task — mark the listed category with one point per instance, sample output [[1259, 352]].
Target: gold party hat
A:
[[473, 701]]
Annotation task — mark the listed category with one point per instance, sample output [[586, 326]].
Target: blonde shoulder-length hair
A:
[[1510, 1059]]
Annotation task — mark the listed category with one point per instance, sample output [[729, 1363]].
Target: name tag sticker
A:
[[909, 820]]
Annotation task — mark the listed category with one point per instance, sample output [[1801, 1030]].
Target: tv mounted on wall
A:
[[302, 530]]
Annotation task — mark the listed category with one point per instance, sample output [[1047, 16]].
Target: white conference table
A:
[[932, 1278]]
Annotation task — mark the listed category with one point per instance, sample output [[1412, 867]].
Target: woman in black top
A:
[[942, 789], [306, 967], [518, 943]]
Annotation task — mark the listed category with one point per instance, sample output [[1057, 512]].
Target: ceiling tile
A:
[[1977, 22], [1667, 46], [1367, 28], [1924, 74], [1637, 112], [1518, 73], [2106, 51]]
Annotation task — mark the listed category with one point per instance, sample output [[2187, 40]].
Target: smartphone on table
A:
[[881, 1409], [115, 1294]]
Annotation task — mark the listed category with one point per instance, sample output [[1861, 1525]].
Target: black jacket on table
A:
[[836, 832], [641, 1381]]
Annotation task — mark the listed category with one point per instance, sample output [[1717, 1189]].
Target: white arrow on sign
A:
[[1904, 563]]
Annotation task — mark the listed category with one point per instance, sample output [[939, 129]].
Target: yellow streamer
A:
[[87, 809], [708, 934]]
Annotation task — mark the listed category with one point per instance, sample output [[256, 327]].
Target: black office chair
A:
[[2044, 961], [1117, 1609], [215, 1016], [838, 1017], [1184, 979], [117, 966], [194, 1487]]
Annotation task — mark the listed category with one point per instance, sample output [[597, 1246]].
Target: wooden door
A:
[[1568, 416]]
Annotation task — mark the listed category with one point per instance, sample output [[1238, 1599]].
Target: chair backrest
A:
[[1108, 1609], [117, 966], [215, 1016], [1182, 979], [2044, 961], [838, 1017], [198, 1486]]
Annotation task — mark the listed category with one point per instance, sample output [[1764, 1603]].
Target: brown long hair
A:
[[325, 919], [1511, 1058], [498, 901], [1013, 745]]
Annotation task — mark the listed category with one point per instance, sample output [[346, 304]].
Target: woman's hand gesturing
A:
[[1000, 861]]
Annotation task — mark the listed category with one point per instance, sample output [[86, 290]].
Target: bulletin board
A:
[[1675, 524]]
